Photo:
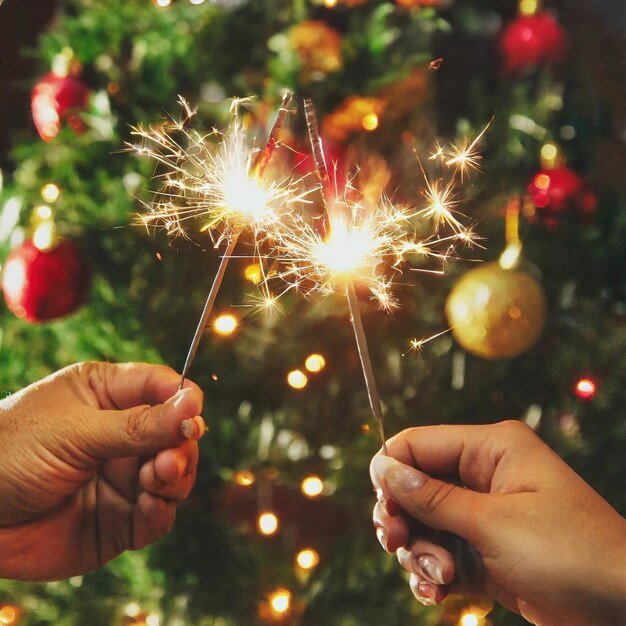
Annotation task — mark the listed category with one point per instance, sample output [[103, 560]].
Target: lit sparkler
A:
[[217, 180], [364, 241]]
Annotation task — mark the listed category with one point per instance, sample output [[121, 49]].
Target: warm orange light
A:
[[312, 486], [245, 478], [267, 523], [370, 121], [253, 273], [9, 615], [330, 3], [469, 619], [315, 363], [307, 558], [280, 601], [225, 324], [542, 181], [297, 379], [50, 192]]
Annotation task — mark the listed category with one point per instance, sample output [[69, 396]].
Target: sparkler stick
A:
[[353, 304], [259, 168], [366, 363], [208, 307]]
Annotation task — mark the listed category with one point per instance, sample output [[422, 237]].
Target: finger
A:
[[141, 430], [429, 561], [153, 517], [392, 531], [172, 473], [471, 452], [427, 593], [126, 385], [437, 504]]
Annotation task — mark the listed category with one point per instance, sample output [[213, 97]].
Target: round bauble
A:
[[39, 286], [532, 40], [554, 191], [496, 313], [55, 99]]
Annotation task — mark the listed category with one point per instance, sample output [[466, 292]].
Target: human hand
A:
[[93, 463], [552, 549]]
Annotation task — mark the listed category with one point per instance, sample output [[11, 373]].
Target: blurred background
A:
[[278, 529]]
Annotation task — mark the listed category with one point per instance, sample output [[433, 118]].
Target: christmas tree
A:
[[277, 529]]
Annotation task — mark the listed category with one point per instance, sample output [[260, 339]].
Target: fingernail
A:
[[193, 428], [422, 591], [426, 593], [431, 568], [182, 396], [396, 475], [382, 537]]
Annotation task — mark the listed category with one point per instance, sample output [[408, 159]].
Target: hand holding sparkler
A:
[[223, 185]]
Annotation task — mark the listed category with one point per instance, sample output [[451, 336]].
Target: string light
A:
[[225, 324], [469, 619], [280, 602], [370, 121], [245, 478], [297, 379], [267, 523], [586, 388], [253, 273], [9, 615], [307, 558], [50, 192], [163, 4], [315, 363], [312, 486]]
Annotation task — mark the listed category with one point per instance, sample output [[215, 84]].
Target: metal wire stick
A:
[[208, 306], [366, 363]]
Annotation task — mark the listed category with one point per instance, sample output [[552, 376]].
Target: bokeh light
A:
[[315, 363], [312, 486], [225, 324], [586, 388], [267, 523], [307, 558], [297, 379]]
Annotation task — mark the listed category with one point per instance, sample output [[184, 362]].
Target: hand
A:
[[552, 548], [93, 463]]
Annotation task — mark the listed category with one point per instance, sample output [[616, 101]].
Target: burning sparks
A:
[[213, 181]]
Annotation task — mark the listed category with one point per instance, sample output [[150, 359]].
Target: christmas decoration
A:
[[585, 388], [56, 99], [497, 311], [432, 72], [318, 47], [43, 285], [532, 39], [355, 114], [553, 192]]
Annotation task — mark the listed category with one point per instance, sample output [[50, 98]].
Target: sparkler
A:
[[222, 185], [357, 239]]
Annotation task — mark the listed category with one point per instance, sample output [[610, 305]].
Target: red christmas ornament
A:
[[55, 99], [44, 285], [553, 191], [532, 40]]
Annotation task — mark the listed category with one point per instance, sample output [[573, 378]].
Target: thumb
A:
[[145, 429], [438, 504]]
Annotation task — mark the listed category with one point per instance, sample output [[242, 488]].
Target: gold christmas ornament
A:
[[498, 310]]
